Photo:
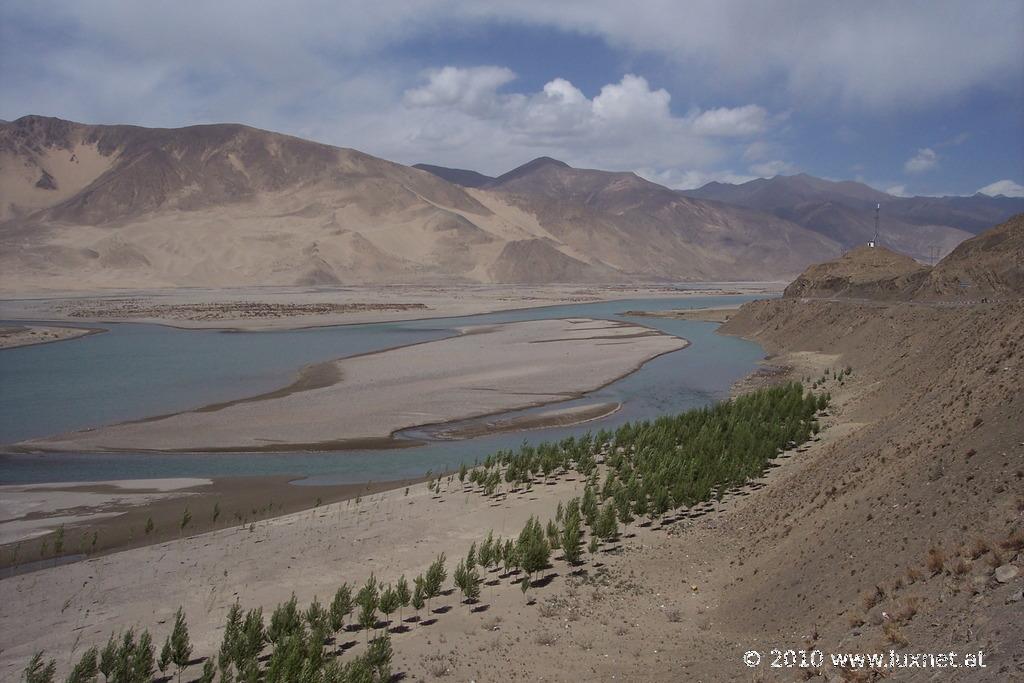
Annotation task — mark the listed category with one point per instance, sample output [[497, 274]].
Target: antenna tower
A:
[[878, 208]]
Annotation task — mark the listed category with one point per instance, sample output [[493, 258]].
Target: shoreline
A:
[[120, 524]]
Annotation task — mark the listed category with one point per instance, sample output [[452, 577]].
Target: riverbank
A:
[[15, 336], [363, 400], [104, 517]]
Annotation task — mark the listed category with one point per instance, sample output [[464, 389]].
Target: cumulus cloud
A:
[[739, 121], [627, 125], [925, 160], [897, 190], [1004, 187], [473, 91]]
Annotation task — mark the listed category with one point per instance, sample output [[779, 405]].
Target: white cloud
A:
[[1005, 187], [740, 121], [925, 160], [897, 191], [461, 115], [473, 91], [769, 169]]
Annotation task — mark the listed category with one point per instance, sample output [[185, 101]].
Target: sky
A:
[[910, 97]]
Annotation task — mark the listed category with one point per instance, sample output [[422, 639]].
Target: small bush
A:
[[936, 561]]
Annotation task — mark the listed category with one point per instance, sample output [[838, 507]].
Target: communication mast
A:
[[874, 242]]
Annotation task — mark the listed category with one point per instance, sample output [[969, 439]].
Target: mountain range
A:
[[93, 206]]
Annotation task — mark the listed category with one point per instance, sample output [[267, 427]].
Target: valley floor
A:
[[900, 528]]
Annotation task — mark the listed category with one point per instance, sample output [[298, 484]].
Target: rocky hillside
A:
[[990, 265], [865, 272], [86, 206], [904, 529]]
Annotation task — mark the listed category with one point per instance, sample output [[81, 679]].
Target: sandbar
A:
[[363, 400]]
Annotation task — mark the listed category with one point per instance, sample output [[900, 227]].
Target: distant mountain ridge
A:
[[844, 211], [84, 206]]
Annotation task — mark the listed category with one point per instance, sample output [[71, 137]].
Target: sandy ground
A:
[[485, 370], [290, 307], [309, 553], [28, 335]]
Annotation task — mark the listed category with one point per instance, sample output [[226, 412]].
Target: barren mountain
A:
[[639, 227], [924, 227], [85, 206]]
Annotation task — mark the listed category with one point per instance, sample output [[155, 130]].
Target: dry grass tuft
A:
[[894, 635], [936, 560], [1014, 540], [907, 610], [980, 547], [873, 598]]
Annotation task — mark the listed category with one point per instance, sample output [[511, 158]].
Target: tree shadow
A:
[[347, 645], [448, 592], [428, 622], [401, 628], [443, 609], [544, 580], [480, 608]]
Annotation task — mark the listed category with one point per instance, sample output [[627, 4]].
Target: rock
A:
[[1007, 573], [1016, 597]]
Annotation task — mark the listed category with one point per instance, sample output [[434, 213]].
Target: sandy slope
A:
[[488, 369]]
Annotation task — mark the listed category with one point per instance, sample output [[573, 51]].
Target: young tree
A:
[[367, 599], [570, 542], [532, 549], [471, 556], [418, 595], [208, 671], [341, 607], [403, 595], [284, 621], [434, 579], [389, 603], [38, 671], [87, 667], [178, 647], [108, 657], [316, 616]]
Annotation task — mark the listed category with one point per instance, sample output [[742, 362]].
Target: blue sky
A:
[[911, 97]]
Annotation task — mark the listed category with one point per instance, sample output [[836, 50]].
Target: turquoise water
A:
[[134, 371]]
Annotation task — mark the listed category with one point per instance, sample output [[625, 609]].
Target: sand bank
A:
[[557, 417], [719, 314], [29, 335], [364, 399]]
